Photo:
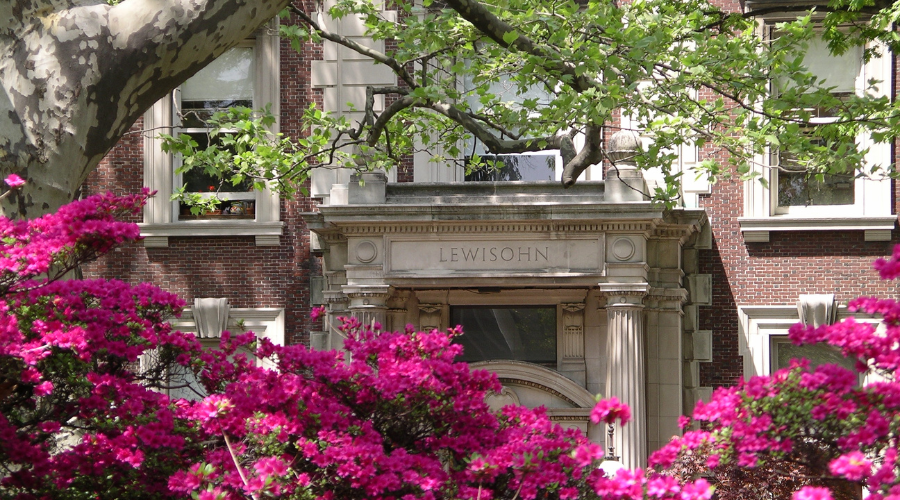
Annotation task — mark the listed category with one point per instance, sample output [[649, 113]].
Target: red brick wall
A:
[[775, 273]]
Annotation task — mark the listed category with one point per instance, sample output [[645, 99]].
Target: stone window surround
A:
[[267, 322], [758, 324], [160, 220], [872, 211]]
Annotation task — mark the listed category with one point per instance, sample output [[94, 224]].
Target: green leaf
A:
[[510, 36]]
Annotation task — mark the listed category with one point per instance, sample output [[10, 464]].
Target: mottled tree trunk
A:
[[76, 74]]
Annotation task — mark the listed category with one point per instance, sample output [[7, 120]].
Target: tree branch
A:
[[397, 106], [591, 153], [494, 144], [496, 29]]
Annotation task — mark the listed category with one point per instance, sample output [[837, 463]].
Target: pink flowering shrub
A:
[[84, 413], [77, 412], [814, 433], [401, 419]]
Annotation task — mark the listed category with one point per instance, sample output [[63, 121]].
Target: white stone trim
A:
[[265, 322], [157, 235], [757, 229], [541, 376], [160, 214]]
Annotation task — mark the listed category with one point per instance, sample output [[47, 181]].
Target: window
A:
[[226, 82], [532, 166], [797, 199], [797, 188], [247, 75], [764, 344], [516, 167], [782, 351], [523, 333]]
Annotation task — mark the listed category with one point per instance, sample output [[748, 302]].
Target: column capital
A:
[[368, 303], [624, 294]]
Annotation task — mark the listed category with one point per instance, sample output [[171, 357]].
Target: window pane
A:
[[783, 351], [228, 78], [519, 333], [514, 168], [804, 189], [838, 71], [237, 202], [198, 181], [226, 82]]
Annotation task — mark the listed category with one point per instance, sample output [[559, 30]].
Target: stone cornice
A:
[[624, 289], [366, 220]]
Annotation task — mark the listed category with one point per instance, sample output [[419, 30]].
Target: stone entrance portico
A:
[[613, 268]]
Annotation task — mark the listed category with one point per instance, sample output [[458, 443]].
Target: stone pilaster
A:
[[336, 308], [572, 363], [625, 370], [398, 311]]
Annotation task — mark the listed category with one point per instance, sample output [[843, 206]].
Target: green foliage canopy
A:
[[533, 75]]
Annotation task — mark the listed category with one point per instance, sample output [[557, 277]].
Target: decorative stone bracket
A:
[[211, 317]]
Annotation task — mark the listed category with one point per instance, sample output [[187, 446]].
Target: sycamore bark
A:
[[76, 74]]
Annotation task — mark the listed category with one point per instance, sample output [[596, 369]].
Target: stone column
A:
[[625, 370], [368, 304]]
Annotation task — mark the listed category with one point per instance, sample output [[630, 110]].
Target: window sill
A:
[[756, 230], [266, 233]]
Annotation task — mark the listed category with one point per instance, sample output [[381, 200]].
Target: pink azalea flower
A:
[[812, 493], [852, 466], [610, 410], [317, 312], [698, 490], [43, 389], [14, 181]]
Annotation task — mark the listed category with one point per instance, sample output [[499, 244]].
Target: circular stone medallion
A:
[[366, 251]]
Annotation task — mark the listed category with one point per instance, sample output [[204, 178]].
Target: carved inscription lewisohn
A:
[[431, 257], [494, 254]]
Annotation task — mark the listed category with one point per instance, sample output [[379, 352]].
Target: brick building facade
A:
[[719, 308]]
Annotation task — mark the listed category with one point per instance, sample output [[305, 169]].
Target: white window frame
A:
[[160, 214], [758, 325], [871, 211]]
